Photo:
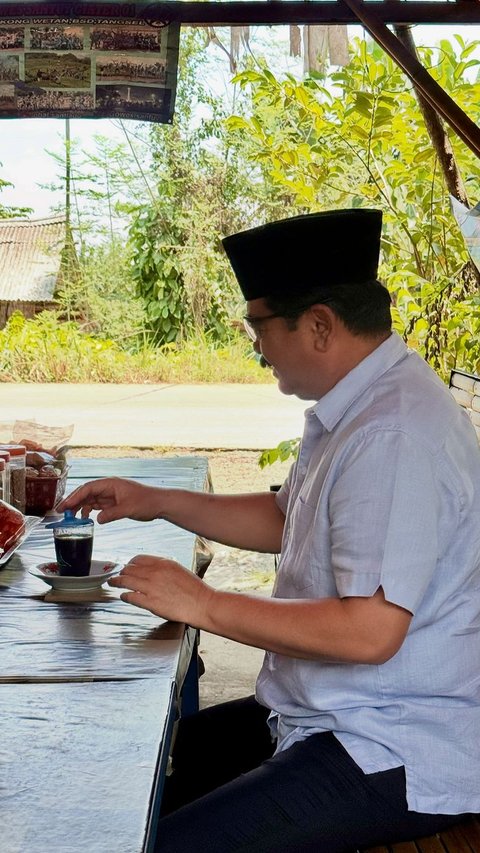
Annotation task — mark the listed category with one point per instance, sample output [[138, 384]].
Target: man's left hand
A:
[[165, 588]]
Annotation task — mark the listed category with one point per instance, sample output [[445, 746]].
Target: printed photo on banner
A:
[[75, 69]]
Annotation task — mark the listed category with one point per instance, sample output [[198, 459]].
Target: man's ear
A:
[[322, 320]]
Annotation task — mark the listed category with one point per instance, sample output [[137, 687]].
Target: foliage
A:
[[166, 188], [173, 192], [177, 263], [178, 270], [280, 453], [355, 137], [205, 187], [102, 297], [351, 137], [100, 293], [46, 349], [106, 182]]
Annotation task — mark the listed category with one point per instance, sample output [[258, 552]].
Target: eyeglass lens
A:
[[250, 330]]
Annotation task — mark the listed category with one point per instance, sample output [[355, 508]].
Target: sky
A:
[[24, 143], [24, 146]]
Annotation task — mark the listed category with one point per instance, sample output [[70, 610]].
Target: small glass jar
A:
[[18, 454], [5, 458]]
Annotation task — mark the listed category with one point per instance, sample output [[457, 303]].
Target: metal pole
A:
[[68, 174]]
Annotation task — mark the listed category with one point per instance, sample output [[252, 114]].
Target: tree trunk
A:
[[436, 129]]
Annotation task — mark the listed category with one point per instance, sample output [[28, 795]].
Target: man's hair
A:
[[363, 309]]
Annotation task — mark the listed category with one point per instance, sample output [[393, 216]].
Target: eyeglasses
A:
[[250, 324]]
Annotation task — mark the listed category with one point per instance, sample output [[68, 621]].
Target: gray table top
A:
[[88, 686]]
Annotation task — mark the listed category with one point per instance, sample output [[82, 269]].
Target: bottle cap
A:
[[69, 520], [14, 449]]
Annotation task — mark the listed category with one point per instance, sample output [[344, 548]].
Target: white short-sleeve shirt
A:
[[386, 492]]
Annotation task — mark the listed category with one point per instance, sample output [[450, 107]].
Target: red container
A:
[[43, 493]]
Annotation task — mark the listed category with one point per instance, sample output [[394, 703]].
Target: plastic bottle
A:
[[17, 475], [3, 479], [5, 458]]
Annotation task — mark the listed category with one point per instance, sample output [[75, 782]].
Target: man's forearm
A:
[[355, 630], [251, 521]]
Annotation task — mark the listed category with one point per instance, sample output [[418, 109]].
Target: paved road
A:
[[246, 417]]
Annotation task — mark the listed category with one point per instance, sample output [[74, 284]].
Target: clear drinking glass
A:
[[73, 540]]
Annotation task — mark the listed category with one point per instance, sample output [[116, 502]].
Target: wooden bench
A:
[[465, 387], [463, 838]]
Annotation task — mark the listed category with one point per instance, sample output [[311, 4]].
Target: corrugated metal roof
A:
[[30, 252]]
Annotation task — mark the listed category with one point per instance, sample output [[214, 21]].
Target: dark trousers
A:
[[229, 793]]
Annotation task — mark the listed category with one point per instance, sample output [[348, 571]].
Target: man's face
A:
[[287, 351]]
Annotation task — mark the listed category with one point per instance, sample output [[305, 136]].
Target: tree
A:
[[101, 188], [205, 187]]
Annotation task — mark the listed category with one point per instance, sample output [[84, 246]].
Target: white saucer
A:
[[100, 571]]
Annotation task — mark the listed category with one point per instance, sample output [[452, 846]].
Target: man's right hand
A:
[[115, 498], [251, 521]]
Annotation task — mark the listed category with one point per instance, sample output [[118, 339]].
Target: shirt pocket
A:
[[296, 566]]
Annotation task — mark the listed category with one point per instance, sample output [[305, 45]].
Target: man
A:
[[366, 722]]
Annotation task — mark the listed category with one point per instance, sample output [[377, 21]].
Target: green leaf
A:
[[363, 104], [237, 123]]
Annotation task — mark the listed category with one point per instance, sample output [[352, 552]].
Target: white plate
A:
[[31, 521], [100, 571]]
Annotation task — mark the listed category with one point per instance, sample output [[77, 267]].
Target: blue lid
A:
[[69, 520]]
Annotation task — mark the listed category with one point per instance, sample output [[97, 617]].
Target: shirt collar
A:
[[331, 408]]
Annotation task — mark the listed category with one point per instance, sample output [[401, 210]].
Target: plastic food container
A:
[[5, 458], [17, 475], [43, 493]]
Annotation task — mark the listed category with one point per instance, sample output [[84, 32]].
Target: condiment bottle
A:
[[5, 458], [18, 455]]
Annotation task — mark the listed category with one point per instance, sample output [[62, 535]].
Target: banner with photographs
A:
[[96, 70]]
